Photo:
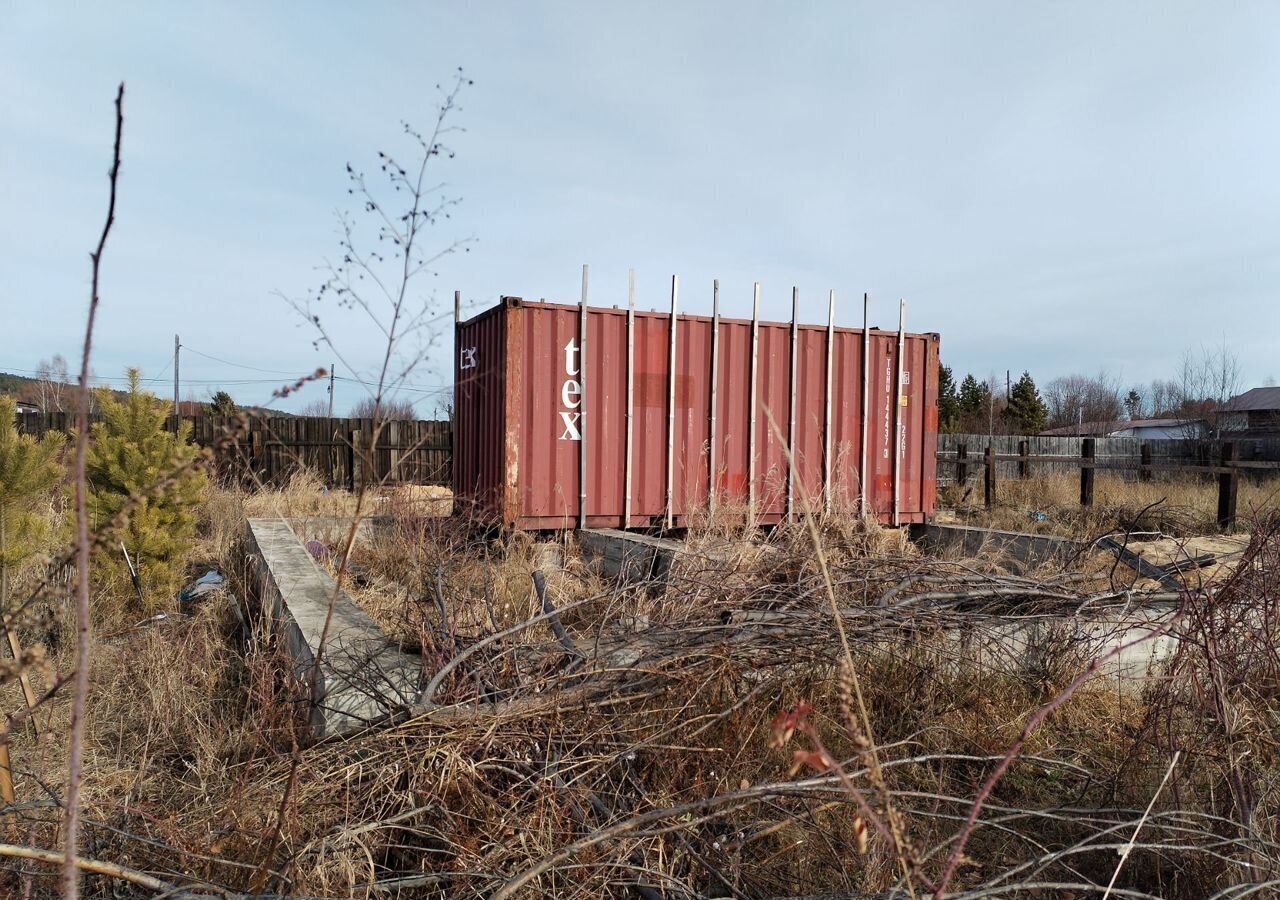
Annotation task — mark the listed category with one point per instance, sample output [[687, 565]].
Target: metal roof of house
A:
[[1155, 423], [1262, 399], [1099, 429]]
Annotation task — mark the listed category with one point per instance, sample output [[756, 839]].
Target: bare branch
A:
[[70, 872]]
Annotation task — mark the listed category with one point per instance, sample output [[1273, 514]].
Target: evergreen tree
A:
[[1133, 404], [948, 400], [28, 471], [1026, 412], [128, 453], [975, 397], [222, 405]]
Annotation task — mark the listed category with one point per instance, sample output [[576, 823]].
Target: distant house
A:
[[1256, 411], [1147, 429], [26, 407]]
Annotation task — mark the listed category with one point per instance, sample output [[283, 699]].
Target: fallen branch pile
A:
[[616, 740]]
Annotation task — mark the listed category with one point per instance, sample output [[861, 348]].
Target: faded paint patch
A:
[[651, 390]]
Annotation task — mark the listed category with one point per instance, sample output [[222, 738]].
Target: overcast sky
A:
[[1054, 187]]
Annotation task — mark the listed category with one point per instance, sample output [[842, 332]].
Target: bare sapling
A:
[[71, 822], [386, 260]]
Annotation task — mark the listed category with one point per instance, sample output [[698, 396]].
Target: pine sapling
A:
[[129, 451]]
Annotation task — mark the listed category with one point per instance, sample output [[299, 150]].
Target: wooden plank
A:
[[989, 480], [1140, 565], [1086, 472], [1228, 488]]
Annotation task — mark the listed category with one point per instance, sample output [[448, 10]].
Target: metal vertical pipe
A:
[[826, 427], [791, 412], [671, 399], [866, 399], [897, 415], [460, 409], [631, 380], [751, 407], [715, 359], [582, 400]]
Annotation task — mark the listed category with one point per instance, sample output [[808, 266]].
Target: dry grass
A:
[[652, 761], [1178, 507], [303, 496]]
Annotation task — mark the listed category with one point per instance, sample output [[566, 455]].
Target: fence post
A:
[[393, 444], [356, 461], [962, 464], [1024, 459], [257, 457], [1144, 462], [1228, 487], [1087, 456], [989, 478]]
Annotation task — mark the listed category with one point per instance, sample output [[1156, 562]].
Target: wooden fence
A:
[[1109, 449], [1143, 460], [272, 449]]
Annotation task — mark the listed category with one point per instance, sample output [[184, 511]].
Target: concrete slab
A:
[[627, 554], [1012, 643], [363, 675], [1024, 551], [1019, 643]]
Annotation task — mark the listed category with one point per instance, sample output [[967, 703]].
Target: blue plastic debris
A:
[[207, 583], [1037, 516]]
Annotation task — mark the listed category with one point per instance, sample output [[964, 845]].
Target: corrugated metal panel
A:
[[521, 417], [480, 381]]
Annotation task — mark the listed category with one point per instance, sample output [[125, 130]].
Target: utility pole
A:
[[1008, 396], [177, 346], [331, 372]]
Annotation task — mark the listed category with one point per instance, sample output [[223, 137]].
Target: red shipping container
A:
[[545, 393]]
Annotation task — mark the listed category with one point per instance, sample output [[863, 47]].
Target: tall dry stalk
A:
[[893, 825], [71, 821]]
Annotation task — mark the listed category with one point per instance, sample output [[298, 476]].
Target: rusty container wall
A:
[[528, 395], [480, 379]]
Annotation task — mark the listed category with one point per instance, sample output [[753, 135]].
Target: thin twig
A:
[[1128, 848]]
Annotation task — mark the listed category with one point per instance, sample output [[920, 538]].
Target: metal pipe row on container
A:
[[586, 416]]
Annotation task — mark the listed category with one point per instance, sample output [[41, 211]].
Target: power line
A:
[[114, 380], [395, 389], [99, 379], [227, 362], [429, 391]]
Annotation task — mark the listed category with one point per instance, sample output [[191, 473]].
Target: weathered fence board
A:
[[337, 450]]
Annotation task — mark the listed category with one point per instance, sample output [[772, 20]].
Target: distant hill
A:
[[28, 389], [16, 385]]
